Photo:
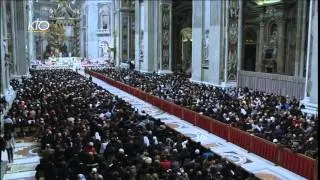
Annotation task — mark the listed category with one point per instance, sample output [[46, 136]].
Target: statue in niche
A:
[[51, 13], [105, 49], [64, 50], [165, 20], [165, 37], [273, 38], [206, 46], [234, 33], [270, 49], [141, 46], [105, 52], [234, 13], [105, 22], [104, 17]]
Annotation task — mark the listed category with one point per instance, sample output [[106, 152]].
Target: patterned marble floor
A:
[[262, 168], [25, 160]]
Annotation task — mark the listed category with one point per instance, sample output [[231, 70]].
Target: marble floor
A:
[[262, 168], [25, 160]]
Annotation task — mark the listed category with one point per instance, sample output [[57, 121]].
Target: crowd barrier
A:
[[295, 162]]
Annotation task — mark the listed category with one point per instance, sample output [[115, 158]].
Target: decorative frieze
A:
[[205, 61], [124, 45], [233, 40], [141, 48], [165, 36]]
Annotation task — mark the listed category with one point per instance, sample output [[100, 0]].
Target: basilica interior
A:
[[265, 47]]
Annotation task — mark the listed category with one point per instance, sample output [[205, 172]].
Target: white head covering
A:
[[121, 150], [197, 151], [148, 160], [310, 139], [97, 136], [244, 112], [81, 177], [94, 170]]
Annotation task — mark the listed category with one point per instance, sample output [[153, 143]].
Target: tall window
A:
[[104, 17], [105, 20]]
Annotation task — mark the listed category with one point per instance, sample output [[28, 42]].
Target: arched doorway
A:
[[181, 20], [250, 49]]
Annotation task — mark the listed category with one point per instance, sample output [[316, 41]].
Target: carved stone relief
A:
[[125, 27], [165, 36], [141, 50], [233, 39], [270, 48], [206, 48]]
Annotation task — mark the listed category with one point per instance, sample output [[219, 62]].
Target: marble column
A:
[[4, 49], [13, 59], [281, 45], [303, 41], [314, 57], [310, 100], [125, 31], [20, 28], [258, 67], [216, 37], [122, 46], [165, 36], [117, 34], [197, 33], [129, 37], [92, 38], [300, 38], [148, 64], [226, 45], [137, 41], [240, 38], [31, 52], [2, 57]]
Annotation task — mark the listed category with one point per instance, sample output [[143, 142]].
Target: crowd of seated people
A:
[[87, 133], [275, 118]]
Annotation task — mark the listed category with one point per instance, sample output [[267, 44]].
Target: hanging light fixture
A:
[[266, 2]]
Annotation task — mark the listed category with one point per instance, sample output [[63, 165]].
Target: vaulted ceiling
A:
[[182, 13], [252, 7]]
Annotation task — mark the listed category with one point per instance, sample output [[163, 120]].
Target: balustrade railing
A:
[[272, 83]]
